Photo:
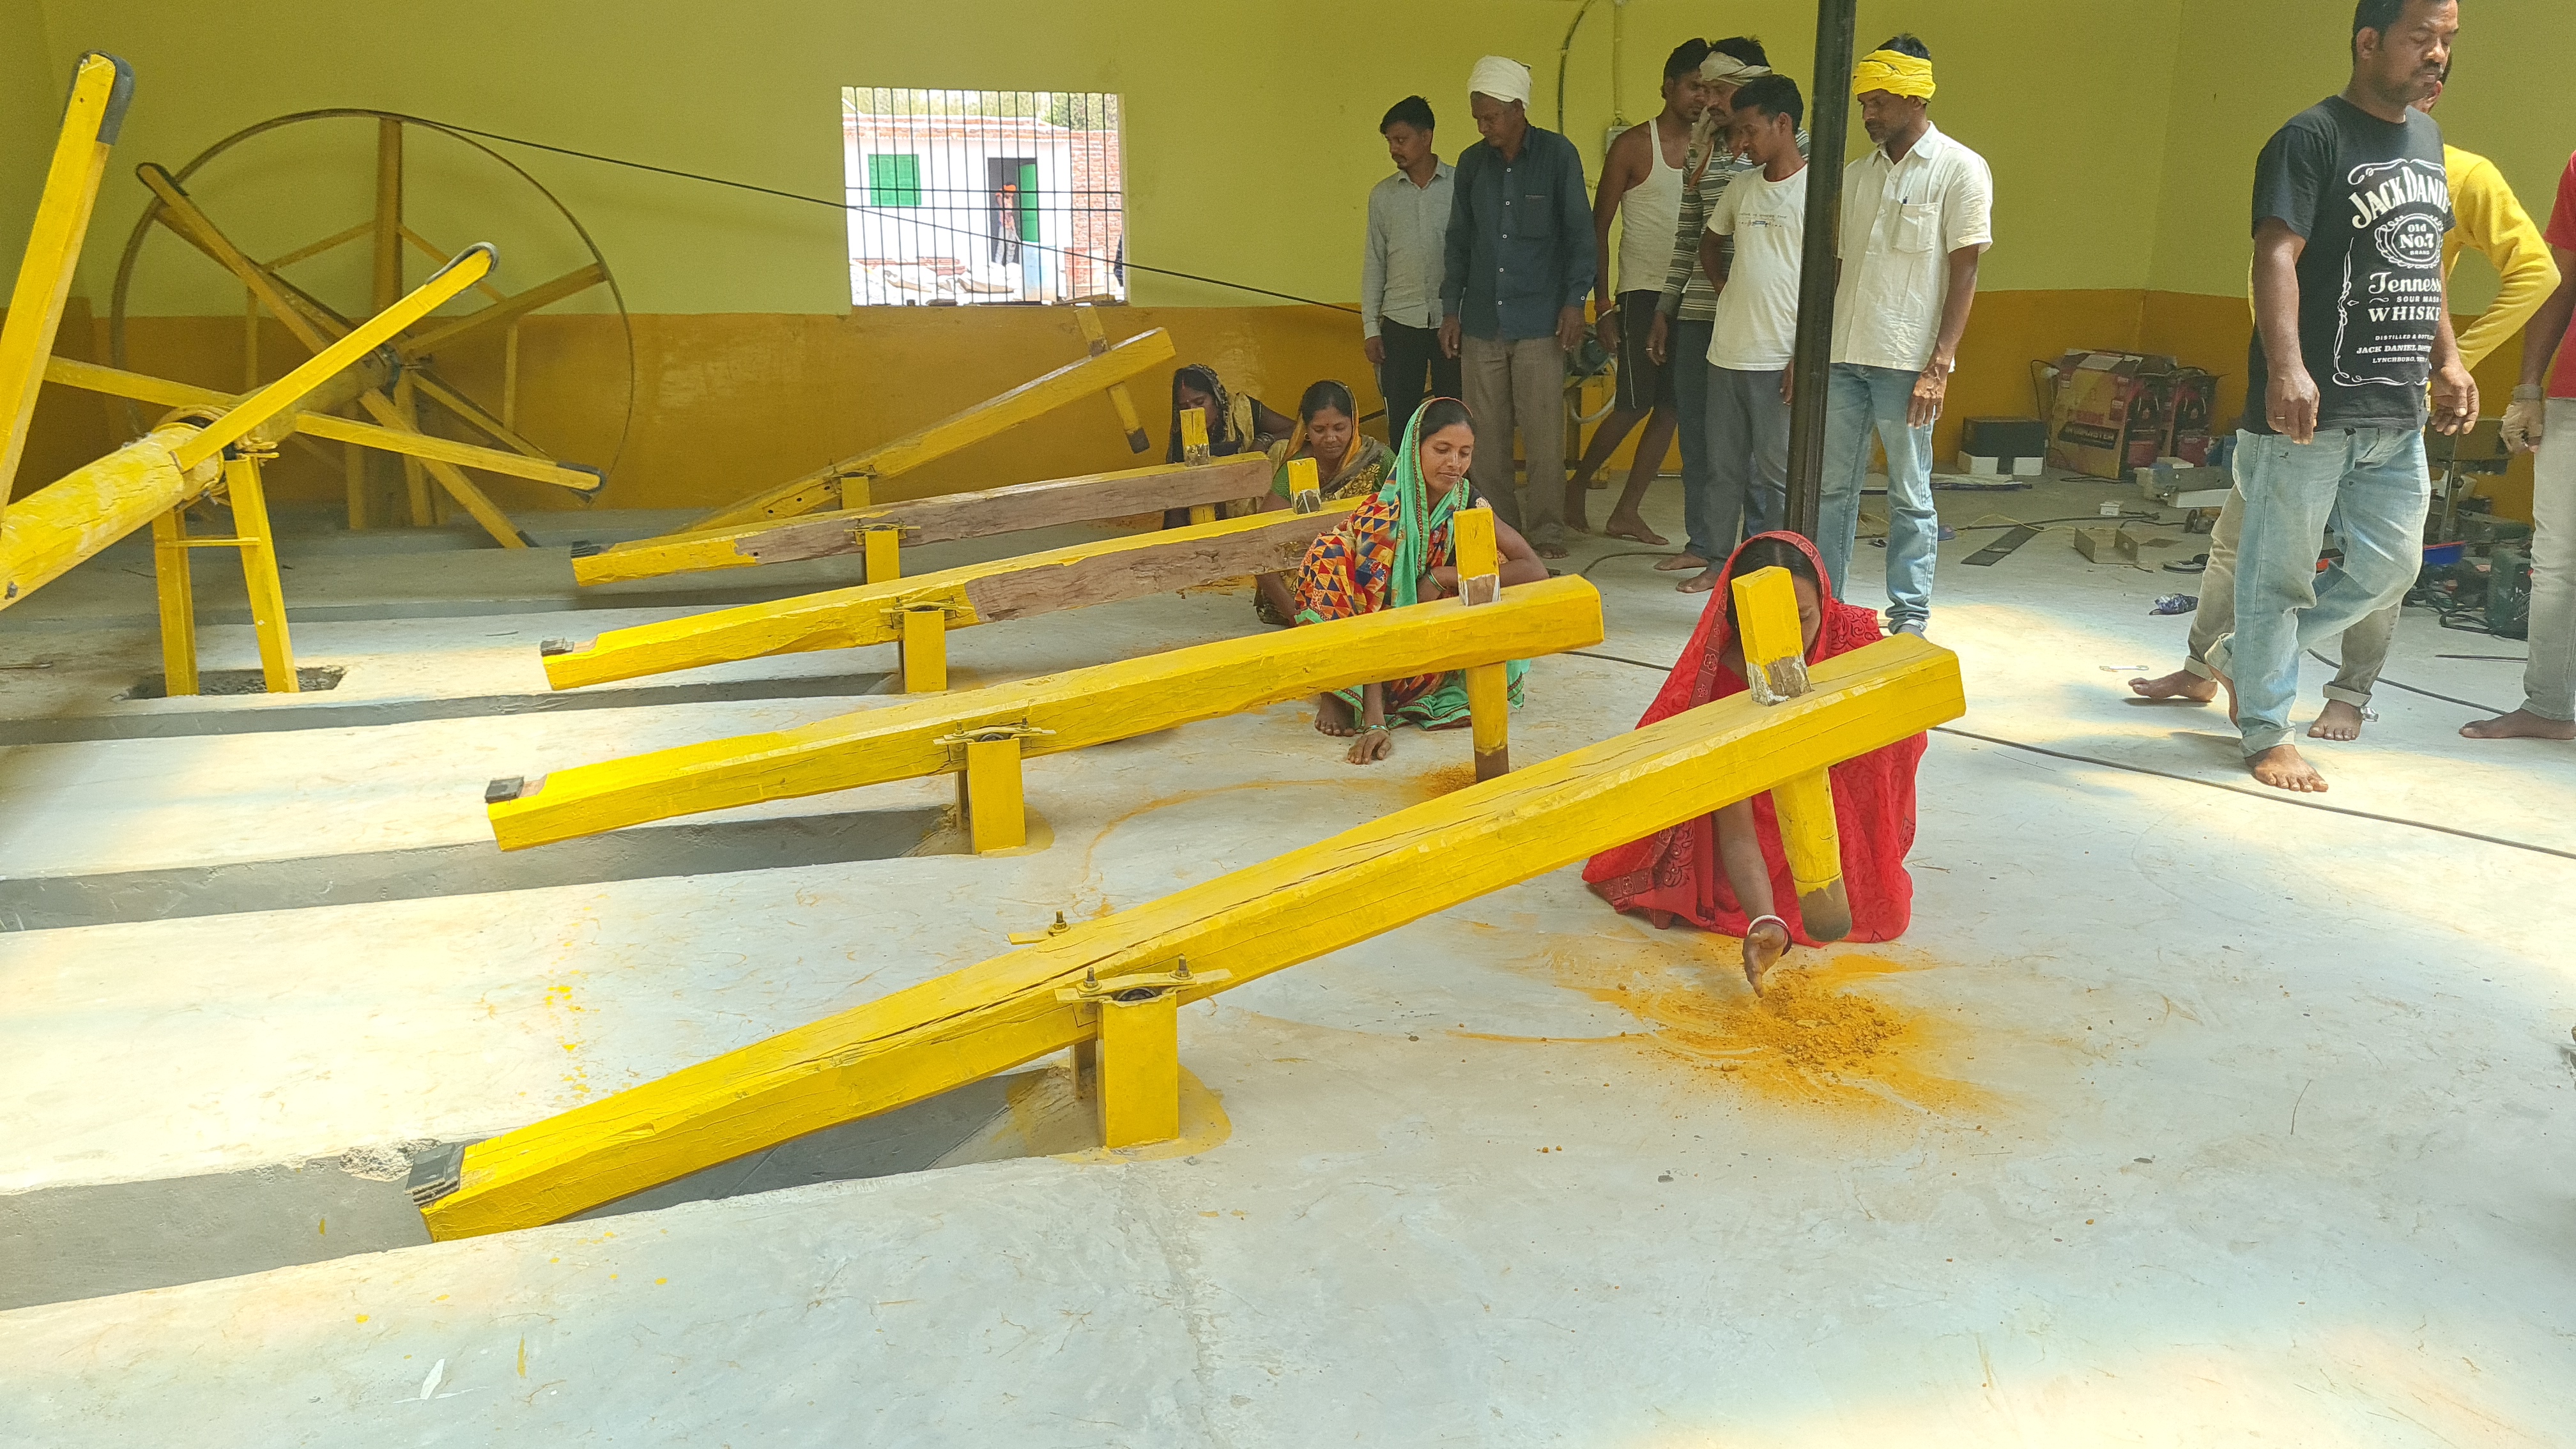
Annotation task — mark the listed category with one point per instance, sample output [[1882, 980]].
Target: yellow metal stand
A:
[[885, 554], [170, 579], [1489, 696], [1042, 998], [1132, 1069], [925, 648], [1775, 663], [173, 580], [991, 796]]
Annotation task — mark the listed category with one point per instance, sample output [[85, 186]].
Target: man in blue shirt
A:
[[1520, 259]]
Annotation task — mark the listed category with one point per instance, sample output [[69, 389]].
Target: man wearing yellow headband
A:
[[1916, 217]]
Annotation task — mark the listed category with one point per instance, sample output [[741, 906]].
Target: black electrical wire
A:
[[1120, 261], [2276, 797], [2411, 689]]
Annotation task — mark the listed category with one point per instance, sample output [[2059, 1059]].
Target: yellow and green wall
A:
[[2122, 134]]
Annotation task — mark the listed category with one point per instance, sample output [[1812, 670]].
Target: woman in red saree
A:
[[1726, 871]]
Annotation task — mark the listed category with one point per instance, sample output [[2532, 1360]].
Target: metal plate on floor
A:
[[2001, 549]]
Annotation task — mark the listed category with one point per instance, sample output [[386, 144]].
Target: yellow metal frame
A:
[[849, 482], [1057, 712], [1111, 569], [1012, 1009]]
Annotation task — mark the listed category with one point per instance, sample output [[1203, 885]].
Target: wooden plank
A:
[[68, 520], [949, 516], [90, 377], [1012, 588], [92, 115], [989, 418], [518, 304], [988, 1018], [1079, 708]]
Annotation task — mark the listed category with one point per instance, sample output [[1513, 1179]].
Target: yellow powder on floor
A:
[[1448, 778]]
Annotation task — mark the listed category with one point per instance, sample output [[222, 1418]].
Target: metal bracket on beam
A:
[[1138, 1056], [992, 799]]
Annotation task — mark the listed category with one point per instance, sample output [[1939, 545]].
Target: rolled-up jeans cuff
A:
[[2358, 699], [2264, 737], [2198, 668]]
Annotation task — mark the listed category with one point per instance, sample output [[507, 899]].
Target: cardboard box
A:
[[2106, 545], [2110, 412]]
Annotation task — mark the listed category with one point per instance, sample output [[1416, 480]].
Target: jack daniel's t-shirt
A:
[[2370, 198]]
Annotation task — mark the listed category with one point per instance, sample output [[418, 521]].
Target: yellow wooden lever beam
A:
[[461, 272], [991, 1017], [1056, 712], [1013, 588], [91, 377], [948, 516], [101, 86], [73, 517], [989, 418]]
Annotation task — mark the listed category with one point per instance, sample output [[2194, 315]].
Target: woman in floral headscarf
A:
[[1393, 551]]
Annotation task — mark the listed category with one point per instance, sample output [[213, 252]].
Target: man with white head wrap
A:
[[1519, 261]]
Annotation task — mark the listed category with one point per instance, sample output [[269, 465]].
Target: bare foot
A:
[[1575, 489], [1333, 716], [2181, 684], [1685, 560], [1763, 945], [2283, 768], [2337, 721], [2522, 724], [1548, 550], [1372, 746], [1633, 528], [1699, 583]]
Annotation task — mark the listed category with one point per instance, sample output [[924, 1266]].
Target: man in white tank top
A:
[[1641, 184]]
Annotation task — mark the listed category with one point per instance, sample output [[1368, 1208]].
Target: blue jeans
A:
[[1857, 400], [2371, 482], [1686, 344], [1748, 448]]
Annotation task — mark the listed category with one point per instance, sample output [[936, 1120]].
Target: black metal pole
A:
[[1828, 123]]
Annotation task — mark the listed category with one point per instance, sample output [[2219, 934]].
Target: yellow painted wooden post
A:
[[259, 572], [1304, 494], [101, 85], [1775, 666], [1137, 438], [990, 792], [178, 604], [424, 511], [1194, 437], [353, 467], [925, 648], [885, 554], [1489, 695], [1140, 1066]]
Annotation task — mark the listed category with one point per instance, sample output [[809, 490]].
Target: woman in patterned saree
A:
[[1393, 551]]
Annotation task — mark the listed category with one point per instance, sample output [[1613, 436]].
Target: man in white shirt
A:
[[1764, 211], [1408, 230], [1916, 217]]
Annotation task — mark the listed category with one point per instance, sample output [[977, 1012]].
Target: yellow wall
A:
[[2121, 134]]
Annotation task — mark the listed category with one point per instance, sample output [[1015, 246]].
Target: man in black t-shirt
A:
[[2350, 207]]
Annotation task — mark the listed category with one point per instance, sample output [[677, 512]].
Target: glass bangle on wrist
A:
[[2528, 392]]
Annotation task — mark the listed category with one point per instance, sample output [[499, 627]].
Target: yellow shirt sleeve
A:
[[2486, 215]]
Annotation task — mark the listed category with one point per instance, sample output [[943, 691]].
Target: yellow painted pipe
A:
[[988, 1018]]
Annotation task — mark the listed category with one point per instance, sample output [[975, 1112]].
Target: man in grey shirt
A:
[[1520, 260], [1408, 233]]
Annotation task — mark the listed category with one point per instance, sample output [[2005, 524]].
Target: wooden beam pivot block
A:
[[925, 648], [1140, 1066], [885, 553], [259, 573], [1479, 562], [990, 793], [1194, 437]]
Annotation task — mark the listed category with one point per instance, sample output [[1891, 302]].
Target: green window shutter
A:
[[894, 180]]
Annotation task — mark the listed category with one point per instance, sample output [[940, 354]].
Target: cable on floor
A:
[[2276, 797], [2411, 689]]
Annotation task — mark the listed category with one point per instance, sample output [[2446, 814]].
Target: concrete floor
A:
[[2184, 1115]]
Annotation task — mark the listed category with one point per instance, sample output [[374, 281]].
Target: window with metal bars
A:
[[967, 197]]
